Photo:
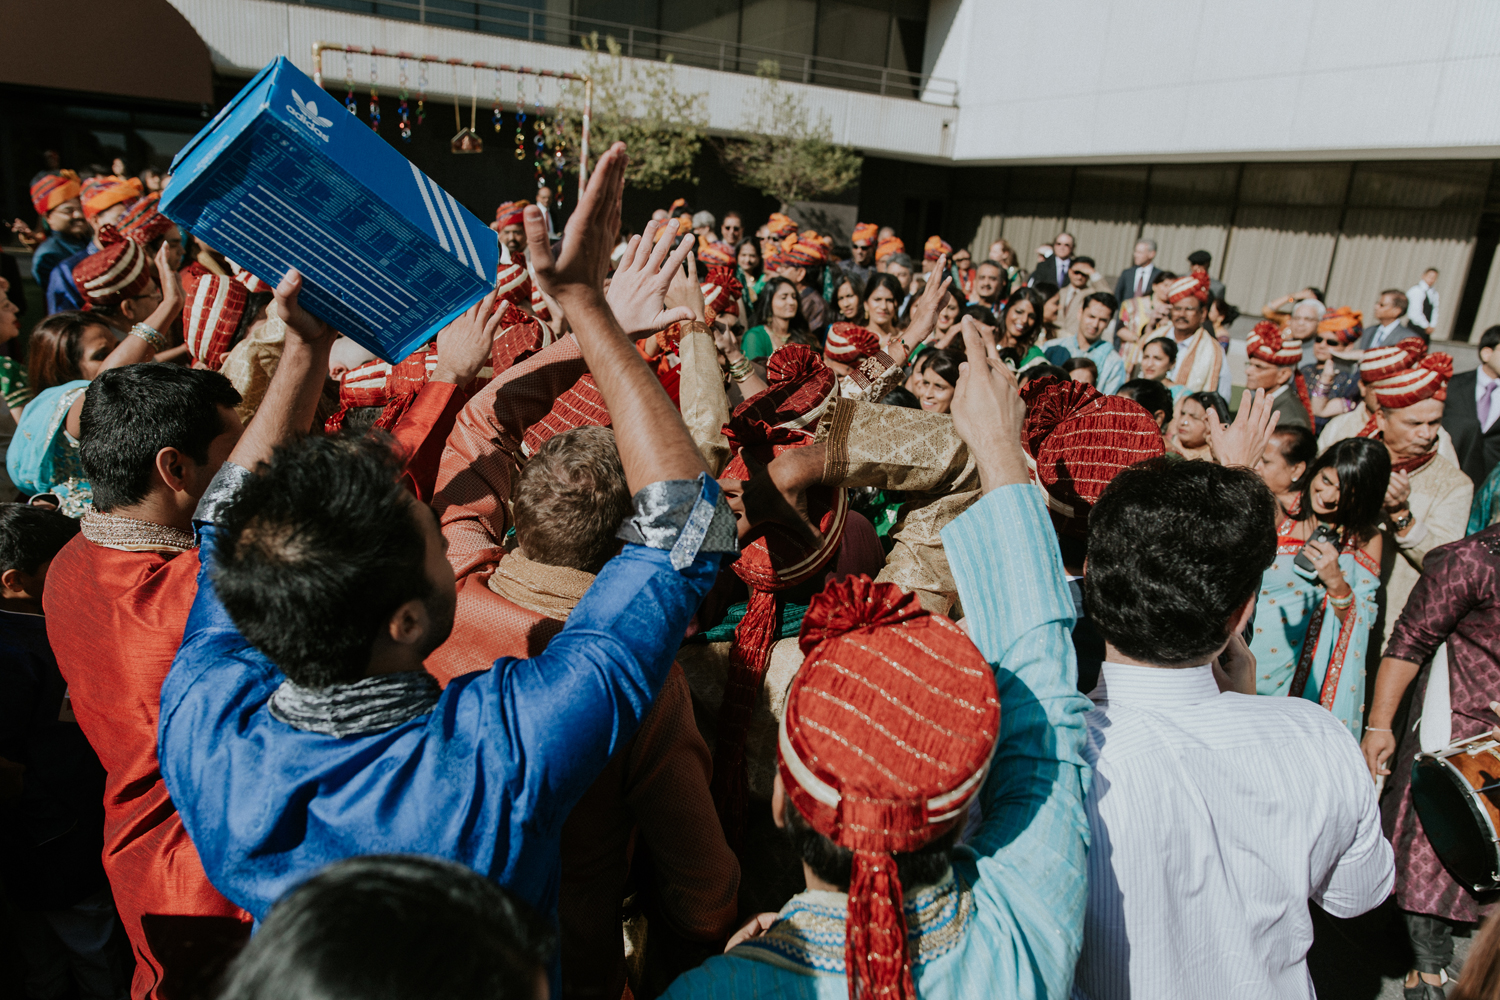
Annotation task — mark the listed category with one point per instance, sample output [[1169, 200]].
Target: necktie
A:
[[1141, 274], [1487, 412], [1427, 306]]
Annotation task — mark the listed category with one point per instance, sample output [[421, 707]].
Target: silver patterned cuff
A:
[[684, 517], [221, 491]]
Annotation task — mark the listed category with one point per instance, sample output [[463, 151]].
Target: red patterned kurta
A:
[[1457, 600]]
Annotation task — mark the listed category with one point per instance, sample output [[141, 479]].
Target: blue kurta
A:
[[1010, 921], [1285, 610], [485, 779]]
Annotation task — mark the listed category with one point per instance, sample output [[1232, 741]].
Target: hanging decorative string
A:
[[402, 110], [557, 155], [496, 115], [466, 140], [520, 117], [349, 104], [539, 125], [374, 98], [421, 92]]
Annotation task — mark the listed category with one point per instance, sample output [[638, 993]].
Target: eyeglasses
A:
[[1330, 341]]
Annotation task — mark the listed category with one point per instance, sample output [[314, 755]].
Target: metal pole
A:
[[421, 11], [531, 26], [630, 42], [583, 157], [318, 63], [807, 69], [721, 56]]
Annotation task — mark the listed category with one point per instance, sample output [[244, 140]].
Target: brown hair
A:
[[55, 349], [571, 500], [1481, 979]]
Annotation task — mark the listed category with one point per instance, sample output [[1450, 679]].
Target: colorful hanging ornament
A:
[[539, 126], [520, 117], [557, 155], [496, 116], [402, 109], [349, 104], [374, 98], [421, 91]]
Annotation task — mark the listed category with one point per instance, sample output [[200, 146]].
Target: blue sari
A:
[[1301, 648], [43, 457]]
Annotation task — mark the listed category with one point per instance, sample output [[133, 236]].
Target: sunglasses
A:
[[1330, 341]]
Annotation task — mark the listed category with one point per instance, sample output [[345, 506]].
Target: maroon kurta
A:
[[1457, 600]]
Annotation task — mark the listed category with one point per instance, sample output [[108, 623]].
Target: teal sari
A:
[[43, 457], [1486, 509]]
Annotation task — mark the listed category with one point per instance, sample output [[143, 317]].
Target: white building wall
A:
[[1213, 79]]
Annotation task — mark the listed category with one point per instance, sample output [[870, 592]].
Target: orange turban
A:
[[865, 234], [888, 246], [51, 190], [99, 193]]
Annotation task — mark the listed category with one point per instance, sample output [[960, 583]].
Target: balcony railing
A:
[[514, 21]]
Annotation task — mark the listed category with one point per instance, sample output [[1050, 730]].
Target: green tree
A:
[[784, 152], [636, 102]]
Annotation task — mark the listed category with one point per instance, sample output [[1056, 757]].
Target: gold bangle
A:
[[151, 336]]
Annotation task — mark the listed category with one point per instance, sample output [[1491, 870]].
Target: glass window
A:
[[784, 25], [1195, 184], [1294, 183]]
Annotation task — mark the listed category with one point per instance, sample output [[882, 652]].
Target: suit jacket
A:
[[1125, 284], [1405, 330], [1293, 413], [1047, 271], [1478, 452]]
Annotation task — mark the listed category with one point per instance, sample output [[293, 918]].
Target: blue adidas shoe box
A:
[[285, 177]]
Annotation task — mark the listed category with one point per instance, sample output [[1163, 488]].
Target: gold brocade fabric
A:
[[129, 535], [552, 591]]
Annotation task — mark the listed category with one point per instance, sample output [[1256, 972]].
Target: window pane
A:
[[781, 25]]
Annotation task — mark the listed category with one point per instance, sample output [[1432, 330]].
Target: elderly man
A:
[[1200, 360], [1054, 269], [1427, 502], [1135, 282], [1390, 321], [54, 195], [103, 200], [1271, 362], [1088, 341]]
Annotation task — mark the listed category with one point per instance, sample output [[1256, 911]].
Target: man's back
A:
[[1215, 818]]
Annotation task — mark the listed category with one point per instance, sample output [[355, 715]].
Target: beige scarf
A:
[[551, 591], [111, 531]]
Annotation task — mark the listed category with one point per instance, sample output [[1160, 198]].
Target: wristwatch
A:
[[1403, 522]]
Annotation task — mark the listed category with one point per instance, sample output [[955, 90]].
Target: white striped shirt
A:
[[1214, 819]]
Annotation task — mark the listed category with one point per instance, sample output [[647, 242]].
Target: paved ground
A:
[[1365, 958]]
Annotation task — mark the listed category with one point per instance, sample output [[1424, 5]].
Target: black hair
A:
[[943, 361], [1296, 444], [1104, 299], [1317, 293], [394, 927], [834, 864], [1176, 548], [881, 279], [1035, 295], [318, 550], [1211, 401], [1167, 344], [1081, 260], [761, 316], [1490, 338], [1200, 257], [131, 413], [1363, 466], [845, 278], [984, 314], [1229, 312], [1161, 276], [900, 396], [30, 536], [754, 246], [1037, 371], [1153, 396], [255, 304], [1080, 364], [1047, 290], [991, 263]]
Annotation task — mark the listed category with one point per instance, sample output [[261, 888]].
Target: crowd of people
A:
[[713, 612]]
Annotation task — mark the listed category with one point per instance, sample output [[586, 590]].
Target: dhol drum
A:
[[1456, 792]]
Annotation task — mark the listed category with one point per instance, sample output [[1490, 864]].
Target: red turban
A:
[[509, 214], [772, 560], [722, 290], [1195, 285], [513, 283], [515, 344], [848, 342], [215, 305], [1345, 323], [780, 226], [380, 383], [888, 246], [865, 233], [807, 249], [935, 247], [121, 270], [99, 193], [1080, 440], [581, 406], [1265, 343], [51, 190], [889, 729], [143, 222], [717, 255], [1404, 374]]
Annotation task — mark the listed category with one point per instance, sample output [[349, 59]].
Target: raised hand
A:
[[463, 346], [307, 327], [578, 270], [685, 292], [1245, 439], [927, 305], [638, 291], [988, 414]]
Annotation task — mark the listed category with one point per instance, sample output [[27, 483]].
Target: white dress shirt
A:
[[1214, 819], [1416, 295]]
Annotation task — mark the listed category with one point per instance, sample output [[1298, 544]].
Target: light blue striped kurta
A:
[[1026, 863]]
